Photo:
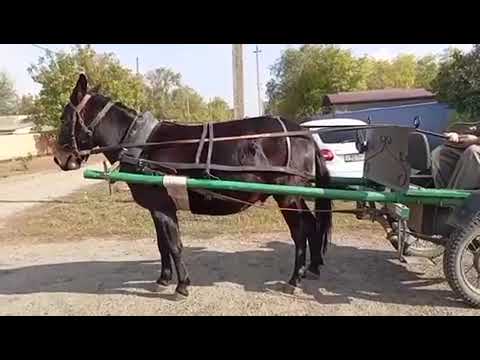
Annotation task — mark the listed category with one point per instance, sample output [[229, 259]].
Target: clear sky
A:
[[205, 67]]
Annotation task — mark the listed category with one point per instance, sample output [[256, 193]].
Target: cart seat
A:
[[420, 159]]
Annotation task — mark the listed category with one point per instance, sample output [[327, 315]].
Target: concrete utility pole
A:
[[238, 92], [259, 97]]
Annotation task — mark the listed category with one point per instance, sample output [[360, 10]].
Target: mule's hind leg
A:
[[296, 224], [169, 232], [316, 259], [166, 272]]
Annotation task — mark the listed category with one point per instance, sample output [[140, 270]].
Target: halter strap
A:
[[82, 103], [101, 115], [91, 127]]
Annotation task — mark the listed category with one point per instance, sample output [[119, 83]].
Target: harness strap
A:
[[288, 141], [100, 115], [127, 134], [176, 167], [210, 149], [202, 142], [82, 103], [140, 130], [78, 116]]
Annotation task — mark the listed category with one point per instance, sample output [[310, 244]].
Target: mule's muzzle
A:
[[67, 160]]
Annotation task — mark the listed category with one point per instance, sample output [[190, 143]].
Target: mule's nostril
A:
[[56, 161]]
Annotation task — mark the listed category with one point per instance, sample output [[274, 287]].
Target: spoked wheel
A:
[[462, 262]]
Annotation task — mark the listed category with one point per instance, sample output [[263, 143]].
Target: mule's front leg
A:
[[169, 233], [297, 226], [300, 260], [166, 272]]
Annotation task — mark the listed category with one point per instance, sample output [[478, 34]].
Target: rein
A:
[[307, 133]]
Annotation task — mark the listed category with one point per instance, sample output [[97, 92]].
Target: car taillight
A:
[[327, 154]]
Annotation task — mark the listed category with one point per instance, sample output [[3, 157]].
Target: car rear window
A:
[[338, 136]]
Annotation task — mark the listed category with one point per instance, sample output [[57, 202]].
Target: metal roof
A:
[[377, 95]]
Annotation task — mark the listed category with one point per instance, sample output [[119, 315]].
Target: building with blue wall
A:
[[434, 116]]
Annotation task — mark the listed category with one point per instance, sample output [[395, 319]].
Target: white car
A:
[[338, 148]]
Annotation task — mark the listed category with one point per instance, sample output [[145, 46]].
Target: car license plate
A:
[[354, 157]]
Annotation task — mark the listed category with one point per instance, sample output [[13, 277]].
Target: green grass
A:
[[93, 213]]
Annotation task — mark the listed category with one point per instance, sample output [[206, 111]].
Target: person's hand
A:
[[467, 140], [452, 137], [462, 140]]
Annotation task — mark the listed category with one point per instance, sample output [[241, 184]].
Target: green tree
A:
[[380, 75], [160, 84], [403, 71], [188, 105], [218, 110], [427, 70], [7, 95], [169, 98], [400, 72], [57, 74], [302, 77], [458, 81]]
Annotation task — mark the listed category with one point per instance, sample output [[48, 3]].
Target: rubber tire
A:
[[452, 261], [429, 253]]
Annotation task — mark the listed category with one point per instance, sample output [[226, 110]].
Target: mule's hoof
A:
[[313, 272], [314, 269], [157, 288], [311, 275], [162, 282], [295, 282], [182, 290], [179, 296], [289, 288]]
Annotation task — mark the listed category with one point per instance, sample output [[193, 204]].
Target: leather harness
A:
[[142, 127]]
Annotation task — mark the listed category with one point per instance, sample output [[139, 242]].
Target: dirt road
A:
[[230, 277], [20, 192]]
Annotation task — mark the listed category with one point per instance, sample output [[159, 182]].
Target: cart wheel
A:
[[462, 262], [418, 247]]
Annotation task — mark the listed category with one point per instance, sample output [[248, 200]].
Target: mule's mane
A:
[[118, 104]]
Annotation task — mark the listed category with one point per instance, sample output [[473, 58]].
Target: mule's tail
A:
[[323, 207]]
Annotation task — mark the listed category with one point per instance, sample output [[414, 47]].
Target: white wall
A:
[[20, 145]]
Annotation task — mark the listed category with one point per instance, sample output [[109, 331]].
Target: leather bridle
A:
[[89, 129]]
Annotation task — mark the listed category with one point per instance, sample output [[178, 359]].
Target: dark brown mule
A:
[[92, 120]]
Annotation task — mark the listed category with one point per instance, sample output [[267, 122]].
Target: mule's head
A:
[[73, 136]]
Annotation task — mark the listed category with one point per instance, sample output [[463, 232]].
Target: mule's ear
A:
[[80, 90]]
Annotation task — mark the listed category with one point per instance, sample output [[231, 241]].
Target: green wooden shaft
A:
[[422, 196]]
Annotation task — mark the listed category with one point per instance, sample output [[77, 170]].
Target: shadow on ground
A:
[[350, 273]]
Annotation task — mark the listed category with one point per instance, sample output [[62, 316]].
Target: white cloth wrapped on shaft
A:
[[176, 187]]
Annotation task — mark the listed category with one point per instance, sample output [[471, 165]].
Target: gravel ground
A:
[[20, 192], [230, 277]]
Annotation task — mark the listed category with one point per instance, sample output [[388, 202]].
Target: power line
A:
[[45, 49]]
